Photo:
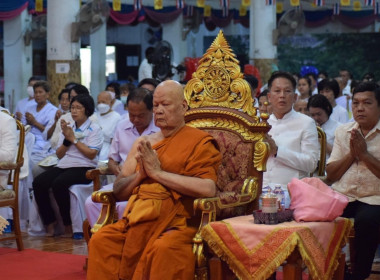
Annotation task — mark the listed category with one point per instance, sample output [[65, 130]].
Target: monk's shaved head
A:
[[173, 89], [169, 107], [104, 97]]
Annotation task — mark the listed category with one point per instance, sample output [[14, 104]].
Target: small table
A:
[[254, 251]]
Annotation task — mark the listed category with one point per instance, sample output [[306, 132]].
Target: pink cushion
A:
[[313, 201]]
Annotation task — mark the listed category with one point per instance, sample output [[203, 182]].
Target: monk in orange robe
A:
[[162, 175]]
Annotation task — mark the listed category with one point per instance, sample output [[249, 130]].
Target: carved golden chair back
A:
[[221, 103]]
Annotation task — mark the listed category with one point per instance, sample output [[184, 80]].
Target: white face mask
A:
[[30, 91], [123, 99], [103, 108]]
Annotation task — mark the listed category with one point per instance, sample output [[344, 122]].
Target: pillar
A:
[[18, 60], [98, 42], [172, 32], [63, 57], [262, 51]]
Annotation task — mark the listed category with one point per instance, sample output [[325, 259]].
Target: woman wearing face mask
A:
[[124, 92], [79, 145], [107, 119], [25, 102]]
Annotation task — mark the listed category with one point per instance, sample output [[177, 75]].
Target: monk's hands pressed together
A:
[[148, 159], [272, 145], [358, 145]]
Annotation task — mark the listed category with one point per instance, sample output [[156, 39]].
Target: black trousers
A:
[[366, 225], [59, 180]]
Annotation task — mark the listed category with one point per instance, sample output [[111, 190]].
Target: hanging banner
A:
[[201, 3], [158, 5], [294, 3], [242, 11], [319, 3], [279, 7], [137, 4], [357, 6], [180, 4], [345, 2], [207, 11], [246, 3], [336, 9], [39, 6], [116, 5]]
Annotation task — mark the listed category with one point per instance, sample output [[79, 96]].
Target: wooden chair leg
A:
[[293, 267], [215, 268], [17, 229], [86, 231], [339, 272]]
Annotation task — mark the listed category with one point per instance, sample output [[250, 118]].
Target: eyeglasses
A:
[[76, 108]]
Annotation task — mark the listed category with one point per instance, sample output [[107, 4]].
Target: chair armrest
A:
[[94, 175], [7, 165], [108, 211], [210, 206]]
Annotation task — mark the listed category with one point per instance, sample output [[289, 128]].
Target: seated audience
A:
[[8, 150], [301, 106], [107, 119], [64, 107], [162, 175], [330, 89], [116, 104], [320, 110], [78, 150], [125, 90], [75, 90], [263, 107], [304, 88], [38, 116], [25, 102], [139, 123], [354, 170], [149, 84], [293, 138]]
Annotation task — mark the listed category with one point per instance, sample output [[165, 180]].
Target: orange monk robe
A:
[[154, 239]]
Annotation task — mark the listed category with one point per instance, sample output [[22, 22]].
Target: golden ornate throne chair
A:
[[220, 103]]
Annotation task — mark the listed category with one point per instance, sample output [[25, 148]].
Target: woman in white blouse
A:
[[78, 150]]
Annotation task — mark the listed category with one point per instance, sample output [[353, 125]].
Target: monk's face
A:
[[169, 105]]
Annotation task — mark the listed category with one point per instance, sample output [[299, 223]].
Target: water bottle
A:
[[280, 196]]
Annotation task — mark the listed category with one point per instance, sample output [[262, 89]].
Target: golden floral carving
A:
[[218, 80], [261, 155]]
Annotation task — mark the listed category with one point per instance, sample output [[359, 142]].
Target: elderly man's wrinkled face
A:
[[365, 109], [169, 107]]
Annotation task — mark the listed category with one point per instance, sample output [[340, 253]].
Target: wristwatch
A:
[[75, 141]]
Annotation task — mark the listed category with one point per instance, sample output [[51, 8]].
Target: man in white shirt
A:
[[346, 77], [146, 68], [293, 138]]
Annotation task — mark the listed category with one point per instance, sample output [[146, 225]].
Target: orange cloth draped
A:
[[154, 239], [254, 251]]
